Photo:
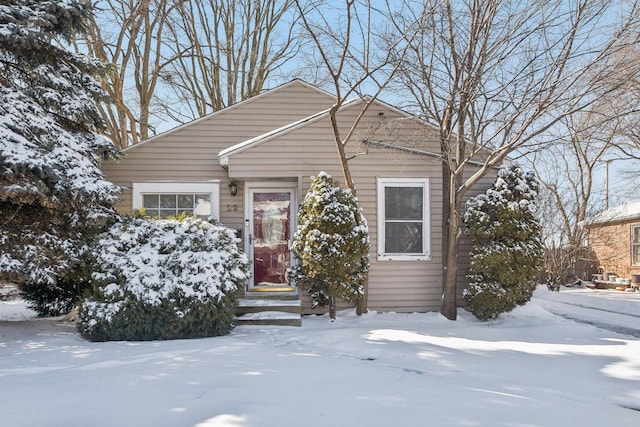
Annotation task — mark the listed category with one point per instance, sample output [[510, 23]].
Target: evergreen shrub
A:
[[163, 279], [53, 193], [331, 244], [507, 252]]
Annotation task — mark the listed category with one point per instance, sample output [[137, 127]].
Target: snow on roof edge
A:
[[241, 146], [624, 212]]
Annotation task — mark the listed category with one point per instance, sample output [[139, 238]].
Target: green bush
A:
[[163, 279], [173, 317], [331, 244], [507, 253], [61, 293]]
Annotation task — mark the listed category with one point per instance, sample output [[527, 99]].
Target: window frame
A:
[[633, 244], [171, 187], [382, 184]]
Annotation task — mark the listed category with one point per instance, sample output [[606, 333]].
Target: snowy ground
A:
[[530, 368]]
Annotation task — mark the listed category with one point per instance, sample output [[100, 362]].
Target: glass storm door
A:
[[270, 236]]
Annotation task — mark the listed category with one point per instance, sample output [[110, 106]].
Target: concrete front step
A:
[[292, 296], [273, 318], [269, 311], [258, 305]]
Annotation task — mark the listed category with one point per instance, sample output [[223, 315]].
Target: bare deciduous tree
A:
[[178, 60], [226, 50], [496, 77], [346, 40], [128, 34], [567, 173], [570, 170]]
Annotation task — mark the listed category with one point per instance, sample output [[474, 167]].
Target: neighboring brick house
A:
[[614, 237]]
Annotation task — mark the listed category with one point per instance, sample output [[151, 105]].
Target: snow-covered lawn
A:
[[529, 368]]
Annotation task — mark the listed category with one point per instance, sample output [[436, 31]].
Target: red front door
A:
[[271, 233]]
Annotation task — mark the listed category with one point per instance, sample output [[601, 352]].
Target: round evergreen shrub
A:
[[331, 244], [163, 279], [507, 252]]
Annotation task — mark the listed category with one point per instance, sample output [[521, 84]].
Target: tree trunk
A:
[[449, 305], [363, 301], [332, 308], [451, 244]]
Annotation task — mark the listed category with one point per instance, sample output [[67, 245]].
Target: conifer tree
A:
[[507, 252], [52, 192], [332, 249]]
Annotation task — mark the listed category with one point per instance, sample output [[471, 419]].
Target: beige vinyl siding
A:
[[190, 152], [402, 286]]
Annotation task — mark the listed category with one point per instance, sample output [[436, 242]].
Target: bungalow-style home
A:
[[249, 165], [614, 238]]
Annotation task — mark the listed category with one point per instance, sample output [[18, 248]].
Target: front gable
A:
[[271, 109], [309, 145]]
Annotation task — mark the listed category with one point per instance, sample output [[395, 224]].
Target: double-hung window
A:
[[403, 219], [164, 199], [635, 245]]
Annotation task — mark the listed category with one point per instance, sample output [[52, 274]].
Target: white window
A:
[[635, 245], [403, 219], [163, 199]]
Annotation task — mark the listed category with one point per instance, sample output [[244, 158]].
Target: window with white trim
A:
[[635, 245], [164, 199], [403, 219]]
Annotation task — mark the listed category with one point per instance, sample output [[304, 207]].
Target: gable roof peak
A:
[[263, 93]]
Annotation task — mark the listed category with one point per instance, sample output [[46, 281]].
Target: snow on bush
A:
[[507, 251], [163, 279], [331, 244]]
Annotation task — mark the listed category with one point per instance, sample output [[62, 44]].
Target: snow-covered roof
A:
[[625, 212]]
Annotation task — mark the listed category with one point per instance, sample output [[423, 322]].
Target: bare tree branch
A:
[[350, 55], [496, 77], [228, 49]]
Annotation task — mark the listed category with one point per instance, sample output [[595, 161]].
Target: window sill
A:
[[424, 257]]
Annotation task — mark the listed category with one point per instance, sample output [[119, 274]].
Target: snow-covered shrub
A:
[[331, 244], [163, 279], [507, 253]]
